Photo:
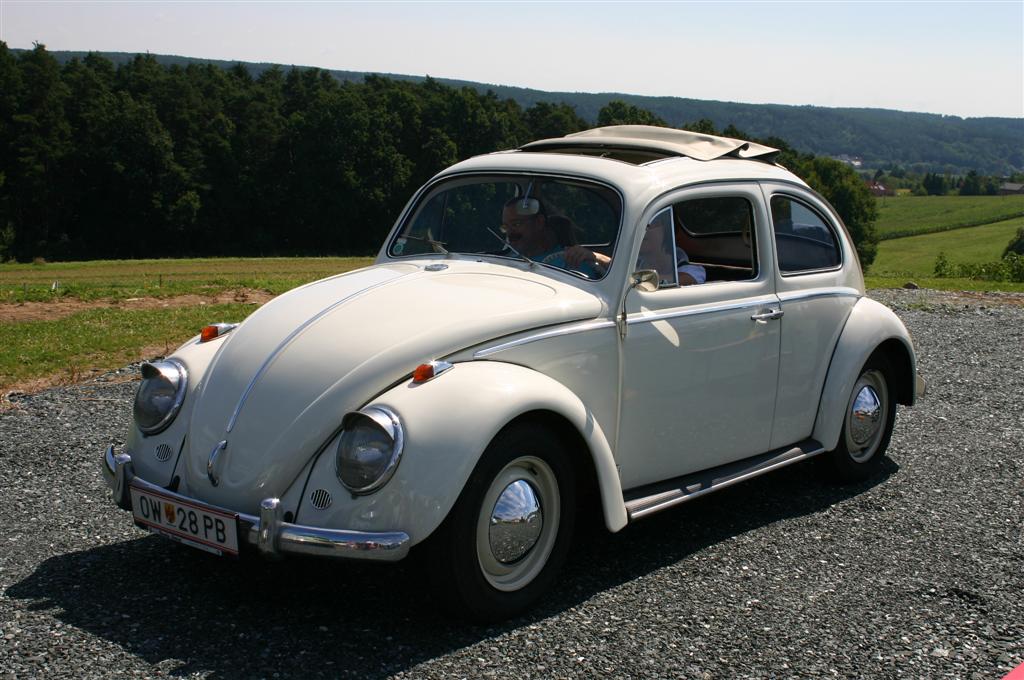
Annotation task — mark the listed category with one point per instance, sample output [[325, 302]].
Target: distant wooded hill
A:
[[922, 142]]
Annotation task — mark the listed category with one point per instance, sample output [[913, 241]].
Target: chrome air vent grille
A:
[[163, 453], [321, 499]]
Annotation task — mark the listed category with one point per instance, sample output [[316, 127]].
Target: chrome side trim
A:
[[272, 537], [291, 336], [820, 293], [543, 335], [642, 507], [658, 316]]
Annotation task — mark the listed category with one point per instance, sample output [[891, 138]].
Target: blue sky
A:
[[958, 58]]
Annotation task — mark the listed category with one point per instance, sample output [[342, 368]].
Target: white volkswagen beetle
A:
[[642, 313]]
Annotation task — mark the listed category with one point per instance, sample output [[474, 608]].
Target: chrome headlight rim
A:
[[179, 393], [388, 421]]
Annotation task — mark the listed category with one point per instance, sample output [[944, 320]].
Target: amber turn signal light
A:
[[215, 330], [425, 372]]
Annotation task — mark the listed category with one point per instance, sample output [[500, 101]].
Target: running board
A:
[[651, 498]]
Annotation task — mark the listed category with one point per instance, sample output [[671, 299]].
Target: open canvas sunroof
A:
[[639, 144]]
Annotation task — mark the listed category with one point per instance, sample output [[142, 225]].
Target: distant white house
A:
[[855, 161]]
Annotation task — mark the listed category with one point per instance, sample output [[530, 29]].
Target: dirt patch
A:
[[58, 309]]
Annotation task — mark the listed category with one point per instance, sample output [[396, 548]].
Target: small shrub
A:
[[1016, 244], [1010, 268]]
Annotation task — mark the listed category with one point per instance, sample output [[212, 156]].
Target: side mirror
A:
[[646, 280]]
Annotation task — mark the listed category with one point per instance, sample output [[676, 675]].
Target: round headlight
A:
[[160, 395], [369, 449]]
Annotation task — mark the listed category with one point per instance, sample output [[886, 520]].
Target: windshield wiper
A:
[[508, 246], [436, 245]]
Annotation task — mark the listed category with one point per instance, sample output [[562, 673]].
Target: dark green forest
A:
[[142, 159], [919, 142]]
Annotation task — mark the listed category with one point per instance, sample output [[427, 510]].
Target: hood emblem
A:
[[435, 267], [211, 462]]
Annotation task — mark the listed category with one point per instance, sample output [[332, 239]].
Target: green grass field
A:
[[63, 349], [122, 279], [908, 215], [915, 255], [99, 339]]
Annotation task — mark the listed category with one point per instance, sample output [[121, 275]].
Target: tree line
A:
[[144, 160]]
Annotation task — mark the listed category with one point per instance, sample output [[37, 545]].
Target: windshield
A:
[[567, 224]]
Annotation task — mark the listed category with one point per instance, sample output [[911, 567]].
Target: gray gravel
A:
[[917, 573]]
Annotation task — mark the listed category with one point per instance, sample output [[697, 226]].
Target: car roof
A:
[[657, 175]]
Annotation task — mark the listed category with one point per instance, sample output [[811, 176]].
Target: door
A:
[[699, 362], [818, 283]]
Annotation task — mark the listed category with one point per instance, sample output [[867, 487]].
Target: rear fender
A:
[[870, 327]]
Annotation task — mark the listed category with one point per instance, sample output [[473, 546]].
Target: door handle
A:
[[767, 316]]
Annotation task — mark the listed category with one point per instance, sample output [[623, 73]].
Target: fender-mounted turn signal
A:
[[215, 330], [425, 372]]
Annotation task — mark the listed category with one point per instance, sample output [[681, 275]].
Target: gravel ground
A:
[[916, 573]]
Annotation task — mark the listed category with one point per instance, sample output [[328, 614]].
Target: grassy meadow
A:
[[123, 279], [67, 349], [909, 215], [101, 334], [915, 255]]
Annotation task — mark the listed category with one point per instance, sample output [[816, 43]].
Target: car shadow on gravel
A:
[[185, 612]]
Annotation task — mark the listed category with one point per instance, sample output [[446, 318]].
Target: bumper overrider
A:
[[269, 533]]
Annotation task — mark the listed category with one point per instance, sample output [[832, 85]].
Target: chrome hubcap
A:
[[866, 415], [865, 419], [516, 522]]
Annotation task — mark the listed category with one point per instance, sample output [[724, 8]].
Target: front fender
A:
[[448, 423], [871, 325]]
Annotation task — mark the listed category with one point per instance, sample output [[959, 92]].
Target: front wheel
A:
[[501, 547], [867, 425]]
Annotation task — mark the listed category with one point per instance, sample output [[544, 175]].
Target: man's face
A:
[[526, 233]]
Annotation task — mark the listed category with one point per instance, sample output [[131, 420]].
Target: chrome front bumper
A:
[[268, 532]]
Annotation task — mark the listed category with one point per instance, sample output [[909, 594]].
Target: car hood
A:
[[280, 384]]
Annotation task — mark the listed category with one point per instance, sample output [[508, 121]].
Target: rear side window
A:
[[803, 239]]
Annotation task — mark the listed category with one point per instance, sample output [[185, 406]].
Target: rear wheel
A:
[[501, 547], [867, 425]]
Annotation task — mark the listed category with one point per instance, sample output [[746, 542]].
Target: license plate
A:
[[187, 522]]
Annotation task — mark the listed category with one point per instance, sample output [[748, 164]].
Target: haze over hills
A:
[[918, 141]]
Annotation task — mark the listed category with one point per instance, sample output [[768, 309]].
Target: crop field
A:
[[910, 215], [915, 255]]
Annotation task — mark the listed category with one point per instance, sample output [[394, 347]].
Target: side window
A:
[[715, 239], [657, 249], [804, 240]]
